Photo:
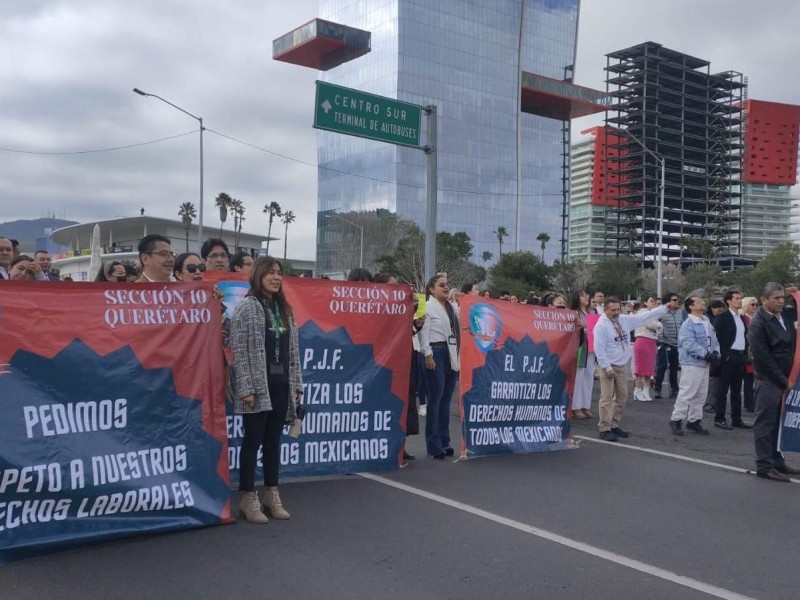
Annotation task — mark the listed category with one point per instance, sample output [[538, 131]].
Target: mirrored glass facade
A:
[[464, 56]]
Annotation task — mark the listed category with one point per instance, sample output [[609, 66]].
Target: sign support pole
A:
[[433, 189]]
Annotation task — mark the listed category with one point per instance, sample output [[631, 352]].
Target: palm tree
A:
[[273, 209], [237, 208], [501, 233], [288, 217], [187, 212], [223, 201], [486, 256], [543, 238]]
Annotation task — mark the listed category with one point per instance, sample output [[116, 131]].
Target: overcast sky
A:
[[68, 68]]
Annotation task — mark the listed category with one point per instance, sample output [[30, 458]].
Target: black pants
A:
[[667, 357], [263, 429], [749, 398], [765, 429], [731, 374]]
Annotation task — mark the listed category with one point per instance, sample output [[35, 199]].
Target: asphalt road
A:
[[601, 521]]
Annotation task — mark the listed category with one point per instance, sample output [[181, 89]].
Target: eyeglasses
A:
[[162, 254], [218, 255], [195, 268]]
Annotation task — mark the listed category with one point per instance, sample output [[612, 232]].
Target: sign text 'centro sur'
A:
[[348, 111]]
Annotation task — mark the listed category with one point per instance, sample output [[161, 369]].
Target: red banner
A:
[[518, 365]]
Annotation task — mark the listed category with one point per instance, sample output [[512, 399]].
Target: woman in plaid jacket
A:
[[269, 382]]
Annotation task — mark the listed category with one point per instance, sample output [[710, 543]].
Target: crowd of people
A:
[[736, 347]]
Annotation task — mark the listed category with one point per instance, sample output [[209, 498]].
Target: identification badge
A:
[[451, 340], [276, 369]]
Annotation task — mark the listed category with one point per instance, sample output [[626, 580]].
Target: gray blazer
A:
[[250, 362]]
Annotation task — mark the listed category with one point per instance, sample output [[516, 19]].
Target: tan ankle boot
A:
[[272, 501], [250, 508]]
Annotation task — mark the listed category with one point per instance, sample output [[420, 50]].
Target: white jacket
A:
[[612, 345]]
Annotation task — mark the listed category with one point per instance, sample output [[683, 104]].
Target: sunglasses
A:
[[195, 268]]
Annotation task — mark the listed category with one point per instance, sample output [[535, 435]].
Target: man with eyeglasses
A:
[[668, 346], [156, 258], [216, 255]]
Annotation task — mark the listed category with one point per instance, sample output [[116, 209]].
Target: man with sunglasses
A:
[[156, 258], [668, 345], [215, 254]]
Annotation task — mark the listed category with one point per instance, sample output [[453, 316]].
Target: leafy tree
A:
[[237, 208], [222, 202], [519, 273], [342, 242], [187, 212], [781, 265], [273, 209], [486, 256], [618, 276], [288, 217], [543, 238], [453, 251], [566, 277], [702, 278], [501, 233]]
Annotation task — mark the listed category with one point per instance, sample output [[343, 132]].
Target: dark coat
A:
[[725, 326], [772, 348]]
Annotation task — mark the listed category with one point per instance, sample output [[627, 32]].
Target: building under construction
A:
[[669, 106]]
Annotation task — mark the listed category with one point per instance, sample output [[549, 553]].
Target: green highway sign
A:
[[351, 112]]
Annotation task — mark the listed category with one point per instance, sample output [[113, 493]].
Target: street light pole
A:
[[660, 251], [361, 228], [200, 120]]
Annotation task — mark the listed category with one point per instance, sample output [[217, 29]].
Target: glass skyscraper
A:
[[467, 58]]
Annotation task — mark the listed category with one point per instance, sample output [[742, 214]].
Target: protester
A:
[[486, 294], [15, 247], [454, 296], [597, 300], [156, 257], [113, 271], [6, 256], [668, 345], [747, 312], [439, 344], [612, 347], [470, 289], [772, 338], [697, 348], [584, 378], [732, 334], [189, 267], [360, 275], [556, 301], [23, 269], [241, 262], [269, 382], [215, 254], [43, 259], [644, 353]]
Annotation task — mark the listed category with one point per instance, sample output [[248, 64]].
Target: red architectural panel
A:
[[771, 136], [605, 188]]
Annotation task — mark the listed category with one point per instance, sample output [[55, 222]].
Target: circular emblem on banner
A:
[[485, 325]]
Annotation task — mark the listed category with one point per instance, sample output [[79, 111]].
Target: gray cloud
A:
[[67, 86]]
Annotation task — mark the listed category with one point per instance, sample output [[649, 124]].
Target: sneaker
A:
[[695, 427], [675, 426], [423, 410], [608, 436], [619, 432]]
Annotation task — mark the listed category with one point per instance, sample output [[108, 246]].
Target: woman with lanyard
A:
[[268, 382], [439, 344]]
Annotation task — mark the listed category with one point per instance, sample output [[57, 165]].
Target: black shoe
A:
[[722, 425], [675, 426], [787, 470], [439, 456], [695, 427], [449, 452], [772, 474], [741, 425], [657, 393], [619, 433], [608, 436], [407, 456]]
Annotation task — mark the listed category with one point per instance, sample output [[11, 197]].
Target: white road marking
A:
[[619, 559], [697, 461]]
